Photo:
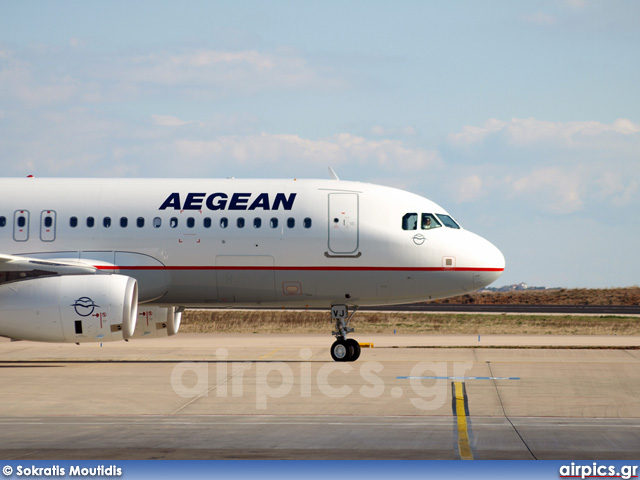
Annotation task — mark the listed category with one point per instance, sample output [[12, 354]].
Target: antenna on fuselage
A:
[[332, 174]]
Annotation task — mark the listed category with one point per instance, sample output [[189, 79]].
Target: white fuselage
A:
[[231, 242]]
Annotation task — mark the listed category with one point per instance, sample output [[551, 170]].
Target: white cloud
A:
[[75, 42], [207, 58], [555, 189], [530, 130], [168, 121], [469, 189], [340, 148], [614, 186], [471, 134], [44, 76], [559, 167], [540, 18], [380, 131], [18, 81], [207, 72], [63, 143]]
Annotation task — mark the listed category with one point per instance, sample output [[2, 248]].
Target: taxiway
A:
[[207, 396]]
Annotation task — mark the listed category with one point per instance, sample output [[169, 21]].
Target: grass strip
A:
[[296, 321]]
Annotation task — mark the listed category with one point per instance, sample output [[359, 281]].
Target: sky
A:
[[521, 119]]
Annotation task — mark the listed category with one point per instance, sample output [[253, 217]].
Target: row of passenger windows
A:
[[427, 221], [173, 222], [190, 222]]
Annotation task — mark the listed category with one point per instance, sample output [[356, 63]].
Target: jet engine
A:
[[156, 322], [69, 308]]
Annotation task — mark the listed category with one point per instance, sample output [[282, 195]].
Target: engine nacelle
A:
[[70, 309], [156, 322]]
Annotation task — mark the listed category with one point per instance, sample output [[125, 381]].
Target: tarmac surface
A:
[[214, 396]]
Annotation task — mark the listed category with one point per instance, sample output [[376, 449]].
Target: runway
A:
[[207, 396], [618, 310]]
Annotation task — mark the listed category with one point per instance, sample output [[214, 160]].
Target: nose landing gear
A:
[[343, 349]]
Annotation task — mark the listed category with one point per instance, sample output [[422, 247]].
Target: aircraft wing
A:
[[14, 268]]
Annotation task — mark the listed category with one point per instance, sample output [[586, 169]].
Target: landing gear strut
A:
[[343, 349]]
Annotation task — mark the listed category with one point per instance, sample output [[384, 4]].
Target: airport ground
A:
[[206, 396]]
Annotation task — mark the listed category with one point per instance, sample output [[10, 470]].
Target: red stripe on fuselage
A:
[[306, 268]]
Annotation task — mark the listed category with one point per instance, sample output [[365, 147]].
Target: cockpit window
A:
[[429, 221], [448, 221], [410, 221]]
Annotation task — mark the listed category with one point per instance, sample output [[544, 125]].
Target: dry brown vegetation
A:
[[288, 321], [561, 296], [291, 321]]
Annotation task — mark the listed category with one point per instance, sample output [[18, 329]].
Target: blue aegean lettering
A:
[[223, 201]]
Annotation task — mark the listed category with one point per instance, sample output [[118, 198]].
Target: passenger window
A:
[[173, 222], [448, 221], [410, 221], [306, 222], [429, 221], [224, 222], [207, 222], [157, 222], [73, 222], [3, 221], [191, 222], [291, 222], [257, 223], [273, 223], [240, 222], [106, 222], [140, 222], [124, 221], [90, 222], [48, 221]]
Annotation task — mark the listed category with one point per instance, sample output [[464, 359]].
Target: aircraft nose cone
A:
[[489, 262]]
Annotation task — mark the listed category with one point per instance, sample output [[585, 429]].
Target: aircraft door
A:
[[343, 223], [48, 226], [21, 225]]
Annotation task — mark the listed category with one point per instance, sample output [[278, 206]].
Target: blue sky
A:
[[522, 119]]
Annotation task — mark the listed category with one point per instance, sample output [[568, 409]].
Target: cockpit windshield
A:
[[410, 221], [428, 221], [448, 221]]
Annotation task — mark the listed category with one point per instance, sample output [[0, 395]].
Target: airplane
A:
[[98, 260]]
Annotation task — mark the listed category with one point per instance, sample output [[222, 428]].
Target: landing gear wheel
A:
[[342, 350], [356, 349]]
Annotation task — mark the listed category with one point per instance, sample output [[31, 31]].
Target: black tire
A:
[[356, 349], [341, 351]]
